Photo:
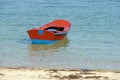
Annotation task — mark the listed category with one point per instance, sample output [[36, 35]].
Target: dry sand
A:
[[53, 74]]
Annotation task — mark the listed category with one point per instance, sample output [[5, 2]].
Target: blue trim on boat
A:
[[36, 41]]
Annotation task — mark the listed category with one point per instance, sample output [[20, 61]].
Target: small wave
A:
[[25, 41]]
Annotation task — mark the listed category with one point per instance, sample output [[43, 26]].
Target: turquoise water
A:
[[92, 43]]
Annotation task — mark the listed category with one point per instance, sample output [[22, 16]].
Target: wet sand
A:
[[53, 74]]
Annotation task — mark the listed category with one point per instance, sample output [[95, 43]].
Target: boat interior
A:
[[54, 29]]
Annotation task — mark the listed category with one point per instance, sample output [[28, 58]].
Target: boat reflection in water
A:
[[38, 47]]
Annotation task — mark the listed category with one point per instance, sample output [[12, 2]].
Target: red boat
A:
[[49, 33]]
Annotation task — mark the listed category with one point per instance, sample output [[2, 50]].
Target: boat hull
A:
[[38, 41], [42, 35]]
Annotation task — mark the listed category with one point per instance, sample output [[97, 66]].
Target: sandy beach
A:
[[53, 74]]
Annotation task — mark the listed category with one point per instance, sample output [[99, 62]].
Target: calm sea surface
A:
[[92, 43]]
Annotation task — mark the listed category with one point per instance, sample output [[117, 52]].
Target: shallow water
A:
[[92, 43]]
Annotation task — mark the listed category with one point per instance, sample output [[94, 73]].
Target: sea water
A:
[[93, 41]]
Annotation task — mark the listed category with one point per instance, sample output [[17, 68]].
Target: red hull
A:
[[55, 30]]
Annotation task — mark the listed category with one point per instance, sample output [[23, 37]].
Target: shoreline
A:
[[69, 69], [9, 73]]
